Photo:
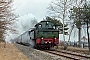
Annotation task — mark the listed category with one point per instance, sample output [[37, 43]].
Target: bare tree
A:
[[77, 16], [7, 17], [60, 9]]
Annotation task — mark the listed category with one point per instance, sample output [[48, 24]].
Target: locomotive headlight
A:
[[49, 42], [42, 38], [55, 38], [46, 42]]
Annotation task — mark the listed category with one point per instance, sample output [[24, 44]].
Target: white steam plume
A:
[[23, 24]]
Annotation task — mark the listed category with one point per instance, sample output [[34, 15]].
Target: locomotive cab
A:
[[46, 35]]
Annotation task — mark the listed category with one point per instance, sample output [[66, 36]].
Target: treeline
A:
[[7, 18]]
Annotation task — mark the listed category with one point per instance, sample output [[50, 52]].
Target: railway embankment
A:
[[35, 54], [21, 52], [10, 52]]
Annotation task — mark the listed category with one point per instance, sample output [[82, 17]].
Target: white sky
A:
[[38, 8]]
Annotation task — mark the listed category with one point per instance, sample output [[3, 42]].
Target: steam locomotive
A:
[[44, 35]]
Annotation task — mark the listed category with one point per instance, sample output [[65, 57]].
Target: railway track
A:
[[70, 55]]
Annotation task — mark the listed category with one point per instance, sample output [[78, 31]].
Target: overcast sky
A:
[[38, 8], [28, 10]]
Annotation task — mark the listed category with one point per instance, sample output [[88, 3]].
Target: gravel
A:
[[33, 54]]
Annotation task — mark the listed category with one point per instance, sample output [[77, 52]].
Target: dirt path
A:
[[10, 52]]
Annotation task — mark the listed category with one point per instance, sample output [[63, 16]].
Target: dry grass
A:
[[10, 52], [75, 49]]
